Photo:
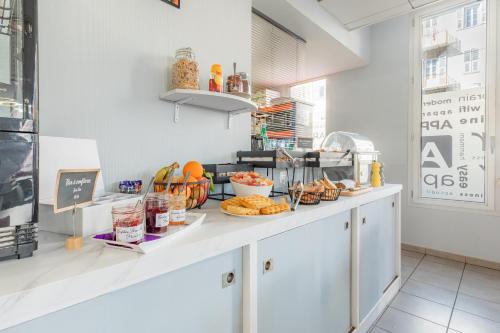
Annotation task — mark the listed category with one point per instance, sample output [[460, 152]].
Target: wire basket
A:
[[331, 194], [308, 198], [197, 192]]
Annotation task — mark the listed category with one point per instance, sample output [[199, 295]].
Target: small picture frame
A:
[[175, 3]]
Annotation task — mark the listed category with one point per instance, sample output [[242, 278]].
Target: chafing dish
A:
[[276, 159], [345, 155]]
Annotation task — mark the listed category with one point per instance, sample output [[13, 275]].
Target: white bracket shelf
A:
[[230, 104]]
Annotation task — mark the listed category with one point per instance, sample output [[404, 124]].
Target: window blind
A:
[[278, 58]]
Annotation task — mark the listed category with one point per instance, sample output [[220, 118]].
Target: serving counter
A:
[[322, 268]]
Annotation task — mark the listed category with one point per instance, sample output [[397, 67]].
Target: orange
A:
[[194, 167], [191, 179]]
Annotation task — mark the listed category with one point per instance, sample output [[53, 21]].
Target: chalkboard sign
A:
[[74, 187]]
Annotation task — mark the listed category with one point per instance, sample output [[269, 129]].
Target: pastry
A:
[[275, 209], [328, 183], [341, 186], [256, 201], [237, 210], [230, 202]]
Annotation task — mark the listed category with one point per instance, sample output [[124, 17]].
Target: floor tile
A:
[[437, 313], [412, 254], [479, 307], [409, 261], [378, 330], [429, 292], [482, 270], [443, 261], [481, 285], [441, 268], [396, 321], [468, 323], [406, 271], [441, 279]]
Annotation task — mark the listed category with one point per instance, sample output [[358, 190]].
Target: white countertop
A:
[[55, 278]]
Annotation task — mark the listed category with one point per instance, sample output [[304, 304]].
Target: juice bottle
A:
[[216, 80]]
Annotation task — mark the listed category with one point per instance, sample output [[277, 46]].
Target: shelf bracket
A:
[[177, 108], [230, 116]]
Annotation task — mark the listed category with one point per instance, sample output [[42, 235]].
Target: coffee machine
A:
[[18, 128]]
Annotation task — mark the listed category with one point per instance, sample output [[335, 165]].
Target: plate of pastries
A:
[[254, 206]]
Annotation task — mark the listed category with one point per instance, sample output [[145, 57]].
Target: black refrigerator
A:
[[18, 128]]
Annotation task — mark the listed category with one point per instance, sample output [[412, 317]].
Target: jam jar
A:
[[157, 213], [128, 223], [178, 209]]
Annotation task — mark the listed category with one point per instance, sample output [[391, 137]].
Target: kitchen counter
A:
[[54, 278]]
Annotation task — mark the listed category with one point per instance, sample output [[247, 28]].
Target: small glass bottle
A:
[[216, 82], [157, 213], [178, 209]]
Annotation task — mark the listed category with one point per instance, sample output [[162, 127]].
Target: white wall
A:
[[374, 100], [103, 65]]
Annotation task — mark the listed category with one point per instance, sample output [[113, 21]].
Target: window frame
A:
[[414, 133]]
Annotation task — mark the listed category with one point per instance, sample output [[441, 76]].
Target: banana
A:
[[163, 174]]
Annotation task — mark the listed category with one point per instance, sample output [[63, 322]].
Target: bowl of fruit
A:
[[198, 183], [250, 183]]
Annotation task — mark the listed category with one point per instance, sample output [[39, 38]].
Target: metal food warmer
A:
[[277, 159], [344, 155]]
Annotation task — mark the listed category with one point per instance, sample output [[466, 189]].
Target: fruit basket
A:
[[196, 192], [308, 198], [331, 194]]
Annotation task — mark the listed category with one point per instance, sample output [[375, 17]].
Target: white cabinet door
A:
[[369, 259], [306, 286], [190, 300], [377, 252], [388, 238]]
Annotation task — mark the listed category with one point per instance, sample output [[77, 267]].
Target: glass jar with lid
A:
[[128, 223], [185, 71], [177, 209], [157, 213]]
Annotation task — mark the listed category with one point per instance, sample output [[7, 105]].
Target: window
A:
[[314, 93], [452, 161], [471, 16], [430, 26], [435, 67], [471, 61]]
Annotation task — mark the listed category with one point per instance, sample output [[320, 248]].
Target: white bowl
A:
[[243, 190]]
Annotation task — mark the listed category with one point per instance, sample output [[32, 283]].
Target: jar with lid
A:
[[178, 209], [157, 213], [128, 223], [245, 83], [185, 71]]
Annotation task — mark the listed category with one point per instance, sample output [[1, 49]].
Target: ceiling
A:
[[354, 14], [329, 48]]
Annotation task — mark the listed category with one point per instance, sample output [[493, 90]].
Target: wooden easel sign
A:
[[74, 189]]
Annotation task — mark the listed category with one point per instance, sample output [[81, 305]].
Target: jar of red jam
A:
[[157, 214], [128, 223]]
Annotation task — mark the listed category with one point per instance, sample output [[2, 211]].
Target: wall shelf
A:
[[219, 102]]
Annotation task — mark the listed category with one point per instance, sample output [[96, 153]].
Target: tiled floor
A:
[[440, 296]]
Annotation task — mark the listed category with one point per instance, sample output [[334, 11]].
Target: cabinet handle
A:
[[228, 279], [393, 204], [364, 220], [267, 266], [346, 225]]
